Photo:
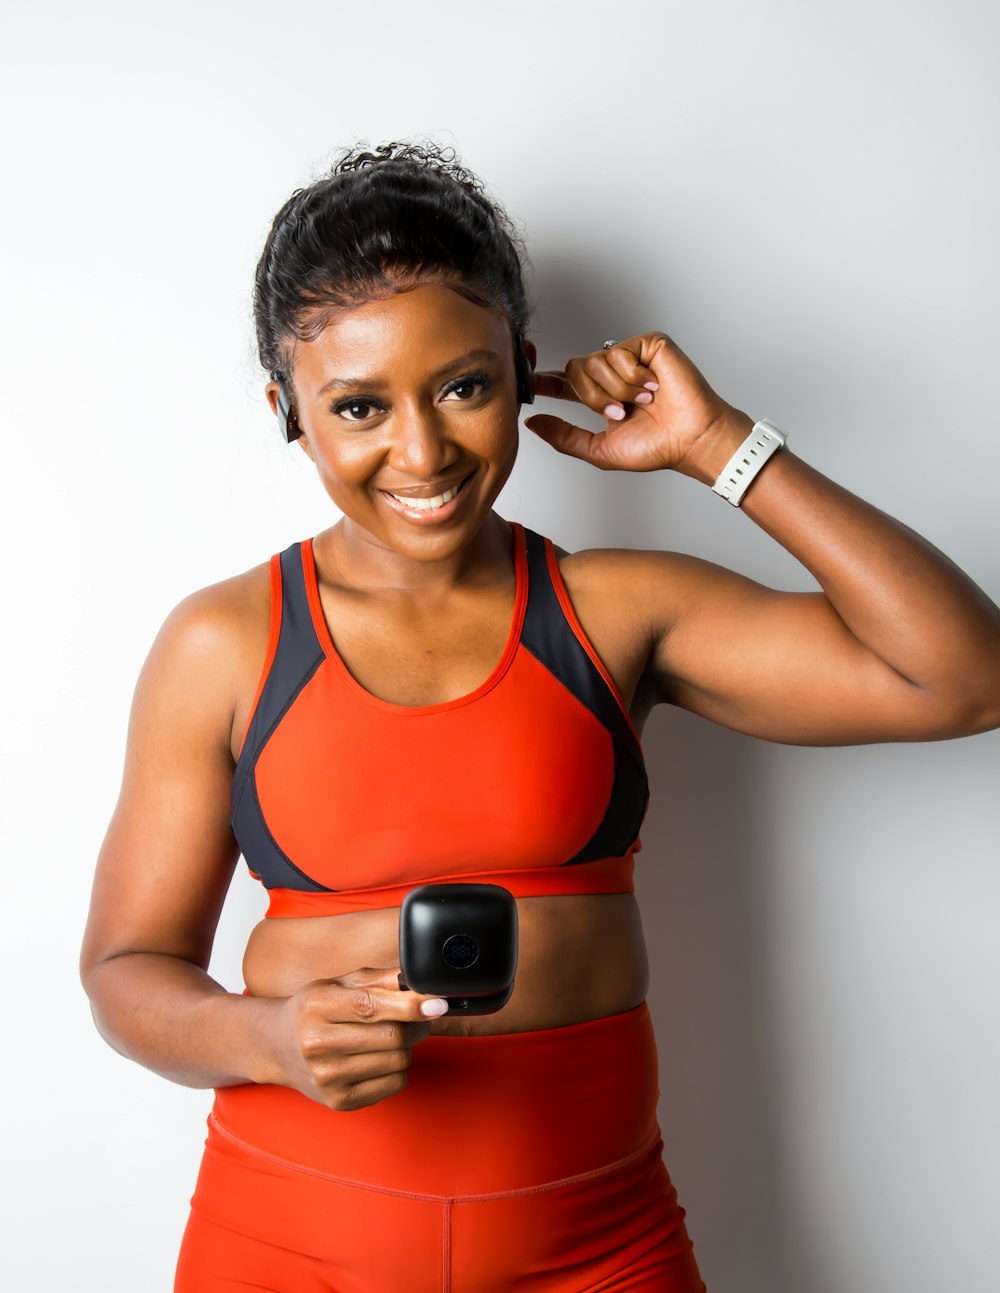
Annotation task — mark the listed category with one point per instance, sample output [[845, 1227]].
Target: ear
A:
[[280, 400], [524, 369]]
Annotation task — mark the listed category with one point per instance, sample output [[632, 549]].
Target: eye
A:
[[354, 409], [467, 387]]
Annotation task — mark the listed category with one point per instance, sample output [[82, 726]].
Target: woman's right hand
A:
[[347, 1042]]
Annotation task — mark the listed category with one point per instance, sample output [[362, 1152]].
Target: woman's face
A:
[[408, 409]]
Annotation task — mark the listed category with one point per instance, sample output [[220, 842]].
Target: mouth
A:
[[428, 511]]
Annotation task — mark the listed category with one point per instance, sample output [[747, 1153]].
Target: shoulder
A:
[[208, 650], [635, 585], [220, 616]]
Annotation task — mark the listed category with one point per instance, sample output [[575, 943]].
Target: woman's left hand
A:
[[661, 412]]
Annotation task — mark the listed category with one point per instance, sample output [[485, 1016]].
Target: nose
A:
[[420, 446]]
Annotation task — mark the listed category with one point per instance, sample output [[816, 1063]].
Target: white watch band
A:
[[763, 441]]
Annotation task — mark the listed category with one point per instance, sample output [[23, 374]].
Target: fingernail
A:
[[644, 397], [652, 386], [614, 411], [434, 1008]]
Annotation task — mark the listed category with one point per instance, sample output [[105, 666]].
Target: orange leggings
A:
[[523, 1160]]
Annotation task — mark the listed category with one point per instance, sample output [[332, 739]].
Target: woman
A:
[[426, 692]]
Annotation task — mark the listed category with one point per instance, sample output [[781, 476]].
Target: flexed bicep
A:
[[782, 666]]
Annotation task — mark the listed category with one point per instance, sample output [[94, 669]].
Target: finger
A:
[[368, 1067], [375, 978], [367, 1077], [370, 996], [360, 1095], [364, 1080], [326, 1038], [591, 377], [612, 371], [626, 364], [566, 438], [608, 396], [553, 385], [391, 1035]]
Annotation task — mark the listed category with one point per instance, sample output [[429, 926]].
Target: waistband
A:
[[478, 1114], [604, 875]]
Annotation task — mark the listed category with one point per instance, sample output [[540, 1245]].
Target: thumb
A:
[[566, 438]]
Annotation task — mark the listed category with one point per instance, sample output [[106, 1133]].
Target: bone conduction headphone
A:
[[288, 423]]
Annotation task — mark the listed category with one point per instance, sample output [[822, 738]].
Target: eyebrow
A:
[[376, 383]]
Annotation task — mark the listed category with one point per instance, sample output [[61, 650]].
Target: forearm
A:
[[173, 1018], [895, 592]]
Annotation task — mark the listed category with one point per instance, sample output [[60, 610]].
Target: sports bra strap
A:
[[296, 656], [550, 636]]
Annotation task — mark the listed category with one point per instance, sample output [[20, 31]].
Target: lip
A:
[[429, 491], [427, 516]]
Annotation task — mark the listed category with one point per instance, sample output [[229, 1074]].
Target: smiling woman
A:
[[428, 435], [427, 692]]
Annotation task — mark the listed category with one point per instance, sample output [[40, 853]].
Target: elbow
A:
[[87, 970], [108, 985], [967, 714], [981, 710], [92, 958], [91, 980], [106, 1033], [984, 718]]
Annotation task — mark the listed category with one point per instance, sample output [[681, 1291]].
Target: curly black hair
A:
[[380, 218]]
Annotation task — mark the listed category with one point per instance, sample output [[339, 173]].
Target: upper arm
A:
[[781, 666], [169, 853]]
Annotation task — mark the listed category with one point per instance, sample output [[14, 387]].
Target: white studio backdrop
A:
[[806, 197]]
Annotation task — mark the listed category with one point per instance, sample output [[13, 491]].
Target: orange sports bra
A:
[[535, 781]]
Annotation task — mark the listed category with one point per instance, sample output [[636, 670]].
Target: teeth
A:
[[426, 504]]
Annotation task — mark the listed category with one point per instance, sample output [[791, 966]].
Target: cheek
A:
[[349, 464], [497, 437]]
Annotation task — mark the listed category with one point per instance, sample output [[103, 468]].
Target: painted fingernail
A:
[[644, 397], [652, 386], [614, 411], [434, 1008]]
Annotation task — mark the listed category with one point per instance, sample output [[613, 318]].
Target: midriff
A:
[[580, 957]]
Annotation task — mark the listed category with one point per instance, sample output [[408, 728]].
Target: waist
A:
[[478, 1114], [604, 875], [580, 957]]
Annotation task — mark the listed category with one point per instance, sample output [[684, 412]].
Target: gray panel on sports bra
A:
[[296, 658], [549, 637]]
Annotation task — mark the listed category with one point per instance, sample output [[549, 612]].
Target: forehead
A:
[[413, 331]]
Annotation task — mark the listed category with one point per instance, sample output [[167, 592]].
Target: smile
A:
[[437, 507], [424, 504]]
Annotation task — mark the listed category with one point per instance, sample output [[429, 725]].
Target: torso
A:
[[581, 956]]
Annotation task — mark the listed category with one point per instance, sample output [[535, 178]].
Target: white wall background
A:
[[806, 196]]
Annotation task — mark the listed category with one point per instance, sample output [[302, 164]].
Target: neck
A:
[[363, 561]]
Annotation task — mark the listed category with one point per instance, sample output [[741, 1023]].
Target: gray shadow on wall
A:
[[703, 883], [702, 877]]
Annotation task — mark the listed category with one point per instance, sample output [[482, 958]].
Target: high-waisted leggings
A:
[[528, 1161]]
